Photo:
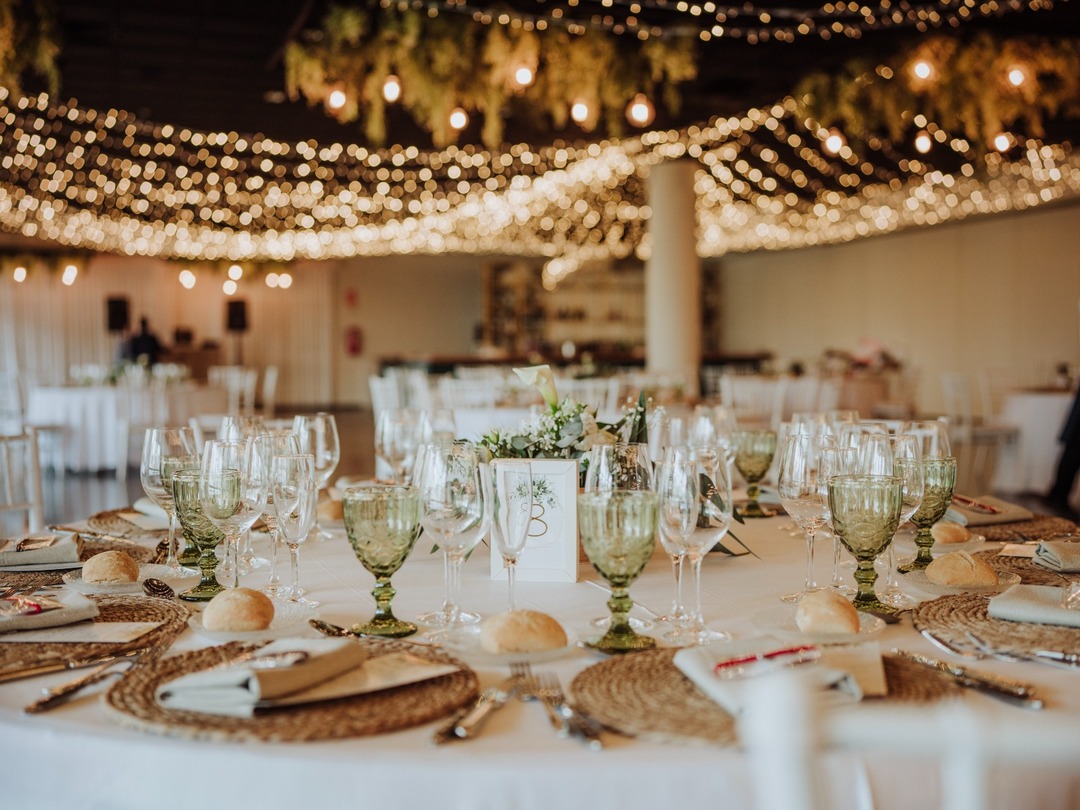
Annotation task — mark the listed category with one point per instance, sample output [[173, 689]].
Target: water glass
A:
[[295, 492], [754, 451]]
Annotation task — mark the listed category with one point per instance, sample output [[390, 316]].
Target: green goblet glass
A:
[[199, 531], [383, 522], [618, 533], [865, 514], [190, 553], [754, 451], [939, 476]]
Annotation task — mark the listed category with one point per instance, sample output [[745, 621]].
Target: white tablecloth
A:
[[1029, 463], [77, 756], [88, 416]]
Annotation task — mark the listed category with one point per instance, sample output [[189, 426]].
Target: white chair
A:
[[20, 479], [137, 408], [419, 390], [205, 426], [801, 395], [239, 384], [974, 443], [384, 394], [471, 393], [754, 400], [269, 392]]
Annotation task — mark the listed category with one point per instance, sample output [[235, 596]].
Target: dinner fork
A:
[[1055, 659], [529, 689], [550, 690]]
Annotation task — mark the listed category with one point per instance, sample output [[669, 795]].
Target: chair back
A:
[[471, 393], [384, 394], [20, 479], [754, 400], [269, 391]]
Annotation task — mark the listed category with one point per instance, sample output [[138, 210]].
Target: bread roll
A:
[[826, 612], [238, 610], [110, 566], [521, 631], [960, 568], [945, 531]]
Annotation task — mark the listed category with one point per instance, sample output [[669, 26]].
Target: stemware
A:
[[839, 460], [398, 434], [939, 479], [865, 513], [623, 465], [452, 510], [618, 534], [234, 428], [382, 522], [510, 507], [233, 493], [907, 466], [802, 485], [932, 435], [295, 487], [280, 443], [318, 436], [166, 450], [678, 491], [754, 451], [204, 534]]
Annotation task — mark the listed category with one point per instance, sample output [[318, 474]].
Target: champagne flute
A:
[[907, 466], [295, 487], [839, 460], [618, 534], [398, 435], [204, 534], [509, 500], [803, 487], [318, 437], [623, 465], [452, 510], [754, 451], [166, 450], [281, 443], [235, 428], [939, 480], [233, 493], [865, 513], [382, 522], [677, 488]]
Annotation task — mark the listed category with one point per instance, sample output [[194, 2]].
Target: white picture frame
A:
[[551, 550]]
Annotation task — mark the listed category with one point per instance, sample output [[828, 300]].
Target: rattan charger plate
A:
[[950, 618], [1031, 573], [171, 615], [1039, 527], [90, 547], [131, 701], [112, 522], [644, 695]]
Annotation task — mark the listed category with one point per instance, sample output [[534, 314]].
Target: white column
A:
[[673, 276]]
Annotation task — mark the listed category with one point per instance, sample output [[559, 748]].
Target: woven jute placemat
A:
[[950, 618], [1030, 573], [171, 615], [131, 702], [111, 521], [90, 547], [644, 695], [1039, 527]]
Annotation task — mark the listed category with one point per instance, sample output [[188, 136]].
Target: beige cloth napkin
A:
[[1038, 604], [1010, 513], [76, 608], [235, 690], [65, 549], [1058, 555], [842, 676]]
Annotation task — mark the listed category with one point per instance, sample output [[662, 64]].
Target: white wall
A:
[[994, 293]]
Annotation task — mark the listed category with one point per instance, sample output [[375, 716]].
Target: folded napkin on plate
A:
[[841, 675], [64, 549], [235, 690], [1038, 604], [1010, 513], [1058, 555], [74, 608]]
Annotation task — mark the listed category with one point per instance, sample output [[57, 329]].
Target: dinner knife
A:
[[60, 694], [466, 725], [60, 665], [1021, 694]]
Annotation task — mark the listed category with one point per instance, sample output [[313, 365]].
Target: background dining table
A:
[[80, 756], [1028, 464]]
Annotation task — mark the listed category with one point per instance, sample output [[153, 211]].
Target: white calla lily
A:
[[543, 379]]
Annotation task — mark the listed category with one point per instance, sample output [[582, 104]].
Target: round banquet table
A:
[[76, 756]]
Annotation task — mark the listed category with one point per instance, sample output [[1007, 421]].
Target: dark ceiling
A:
[[215, 65]]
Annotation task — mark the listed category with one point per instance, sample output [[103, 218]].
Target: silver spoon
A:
[[157, 587]]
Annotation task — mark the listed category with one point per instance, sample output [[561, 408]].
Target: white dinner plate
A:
[[466, 643], [919, 579], [290, 619], [780, 621], [975, 543], [74, 580]]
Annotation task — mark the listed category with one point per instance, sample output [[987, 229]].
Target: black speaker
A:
[[116, 314], [236, 316]]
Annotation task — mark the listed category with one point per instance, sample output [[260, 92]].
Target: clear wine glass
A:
[[754, 451], [318, 435], [234, 428], [803, 488], [165, 451], [623, 465], [233, 491], [509, 500], [280, 443], [204, 534], [865, 513], [839, 460], [382, 522], [933, 437], [294, 482], [907, 466], [398, 434], [452, 510], [677, 488]]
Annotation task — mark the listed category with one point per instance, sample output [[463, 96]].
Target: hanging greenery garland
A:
[[447, 61], [28, 44], [976, 88]]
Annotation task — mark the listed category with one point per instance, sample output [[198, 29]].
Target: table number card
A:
[[550, 553]]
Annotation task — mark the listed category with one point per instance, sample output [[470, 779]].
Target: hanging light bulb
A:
[[285, 281], [922, 70], [524, 76], [834, 142], [579, 111], [923, 142], [229, 287], [236, 272], [391, 89], [19, 274], [71, 272], [459, 119], [187, 279], [337, 98], [1017, 77], [1003, 142], [271, 280], [640, 112]]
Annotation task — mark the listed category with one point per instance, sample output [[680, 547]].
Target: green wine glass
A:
[[199, 531], [382, 522], [865, 514], [618, 533], [754, 451], [189, 555], [939, 479]]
